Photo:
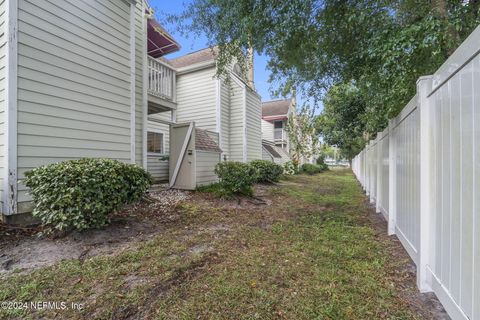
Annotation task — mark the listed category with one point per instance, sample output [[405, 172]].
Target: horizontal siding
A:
[[74, 82], [196, 98], [266, 155], [3, 46], [205, 166], [225, 120], [267, 131], [237, 107], [254, 128]]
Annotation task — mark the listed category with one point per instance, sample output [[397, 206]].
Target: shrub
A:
[[235, 177], [321, 163], [266, 171], [289, 168], [80, 194], [310, 169]]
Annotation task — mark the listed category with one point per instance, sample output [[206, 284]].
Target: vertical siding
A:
[[73, 82], [3, 42], [237, 108], [267, 131], [254, 127], [156, 165], [196, 98], [205, 167]]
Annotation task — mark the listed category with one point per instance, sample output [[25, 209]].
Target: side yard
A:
[[308, 247]]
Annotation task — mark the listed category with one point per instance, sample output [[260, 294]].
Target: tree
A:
[[303, 140], [382, 46], [341, 124]]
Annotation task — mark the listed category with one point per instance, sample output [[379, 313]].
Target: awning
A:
[[160, 42]]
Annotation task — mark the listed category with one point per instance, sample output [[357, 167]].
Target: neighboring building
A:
[[275, 141], [275, 116], [231, 110]]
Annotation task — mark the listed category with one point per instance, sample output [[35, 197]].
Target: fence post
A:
[[425, 255], [392, 180], [379, 174]]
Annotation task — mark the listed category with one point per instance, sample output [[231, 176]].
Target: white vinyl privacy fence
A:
[[423, 174]]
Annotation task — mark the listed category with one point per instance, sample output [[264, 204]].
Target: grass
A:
[[310, 255]]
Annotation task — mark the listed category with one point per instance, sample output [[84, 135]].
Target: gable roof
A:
[[276, 107], [204, 55], [204, 142]]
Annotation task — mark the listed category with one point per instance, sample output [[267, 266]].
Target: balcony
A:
[[161, 86], [280, 135]]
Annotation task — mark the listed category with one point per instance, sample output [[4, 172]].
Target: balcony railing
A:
[[280, 135], [161, 80]]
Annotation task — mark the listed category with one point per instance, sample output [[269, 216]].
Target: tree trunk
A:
[[440, 10]]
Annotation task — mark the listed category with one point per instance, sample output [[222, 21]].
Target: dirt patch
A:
[[403, 271], [25, 249]]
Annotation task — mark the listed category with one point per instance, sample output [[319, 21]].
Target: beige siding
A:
[[225, 119], [254, 129], [237, 109], [74, 82], [267, 131], [3, 46], [206, 162], [157, 165], [196, 98]]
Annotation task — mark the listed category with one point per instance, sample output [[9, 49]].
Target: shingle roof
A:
[[276, 107], [204, 142], [271, 149], [203, 55]]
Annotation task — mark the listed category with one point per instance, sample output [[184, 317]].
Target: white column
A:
[[392, 180], [425, 254]]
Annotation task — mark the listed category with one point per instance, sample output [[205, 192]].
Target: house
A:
[[79, 79], [229, 111], [275, 140]]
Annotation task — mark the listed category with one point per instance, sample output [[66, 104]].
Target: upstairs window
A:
[[278, 124], [155, 142]]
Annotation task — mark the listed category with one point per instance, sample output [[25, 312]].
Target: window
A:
[[155, 142], [278, 124]]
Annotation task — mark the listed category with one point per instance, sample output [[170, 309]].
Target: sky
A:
[[190, 44]]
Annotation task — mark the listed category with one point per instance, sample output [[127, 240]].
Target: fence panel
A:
[[431, 195]]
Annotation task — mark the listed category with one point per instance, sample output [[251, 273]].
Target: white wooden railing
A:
[[280, 135], [161, 80]]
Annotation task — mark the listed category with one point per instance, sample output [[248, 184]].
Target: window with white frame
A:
[[155, 142]]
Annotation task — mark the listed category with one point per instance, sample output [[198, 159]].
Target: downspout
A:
[[132, 81], [10, 173]]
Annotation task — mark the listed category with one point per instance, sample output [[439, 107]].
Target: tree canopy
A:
[[375, 49]]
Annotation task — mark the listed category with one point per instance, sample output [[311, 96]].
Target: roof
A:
[[160, 42], [270, 149], [207, 54], [203, 141], [276, 108]]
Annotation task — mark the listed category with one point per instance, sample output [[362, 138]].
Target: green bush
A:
[[235, 177], [321, 163], [310, 169], [266, 171], [289, 168], [80, 194]]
